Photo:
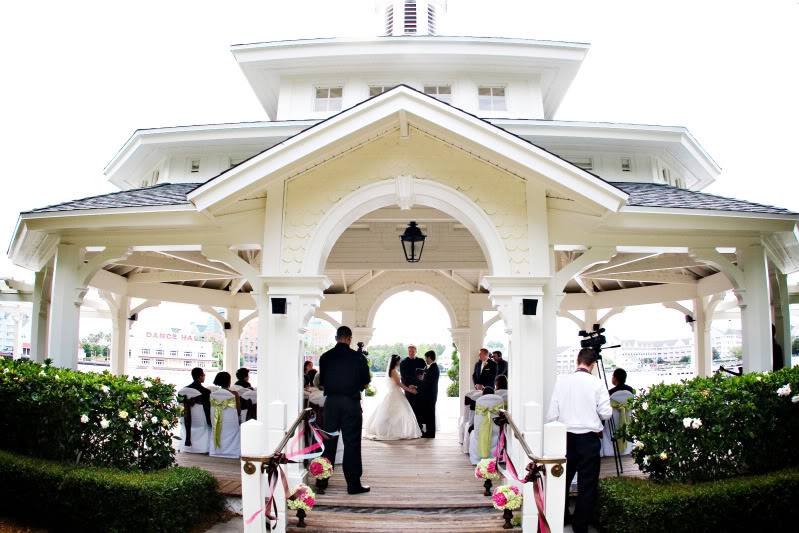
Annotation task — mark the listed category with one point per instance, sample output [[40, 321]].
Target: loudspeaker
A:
[[529, 306], [227, 325], [278, 306], [134, 317]]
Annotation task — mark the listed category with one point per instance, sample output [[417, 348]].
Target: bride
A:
[[393, 419]]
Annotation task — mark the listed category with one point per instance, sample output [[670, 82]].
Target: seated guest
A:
[[501, 387], [310, 377], [502, 365], [488, 390], [222, 380], [243, 378], [198, 377], [619, 380], [307, 367]]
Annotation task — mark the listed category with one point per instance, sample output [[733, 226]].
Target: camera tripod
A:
[[616, 452]]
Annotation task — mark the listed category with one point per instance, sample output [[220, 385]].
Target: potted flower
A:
[[302, 500], [320, 469], [487, 469], [507, 498]]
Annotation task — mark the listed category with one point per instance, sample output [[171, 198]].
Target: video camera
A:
[[593, 339]]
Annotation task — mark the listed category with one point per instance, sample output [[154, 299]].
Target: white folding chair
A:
[[607, 443], [225, 420], [252, 396], [503, 393], [467, 420], [493, 403], [199, 425]]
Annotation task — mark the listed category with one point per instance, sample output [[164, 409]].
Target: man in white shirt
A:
[[581, 402]]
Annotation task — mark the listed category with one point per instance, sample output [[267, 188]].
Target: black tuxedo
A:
[[488, 374], [428, 395], [408, 369], [502, 368], [206, 399]]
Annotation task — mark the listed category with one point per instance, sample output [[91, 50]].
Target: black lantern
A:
[[413, 242]]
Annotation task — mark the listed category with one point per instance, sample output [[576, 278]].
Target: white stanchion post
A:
[[253, 444], [277, 424], [531, 424], [555, 486]]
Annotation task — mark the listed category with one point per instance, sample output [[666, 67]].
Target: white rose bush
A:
[[86, 418]]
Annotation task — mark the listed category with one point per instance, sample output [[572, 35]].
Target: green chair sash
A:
[[484, 435], [624, 419], [220, 406]]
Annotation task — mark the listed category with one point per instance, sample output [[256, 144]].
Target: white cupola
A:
[[410, 17]]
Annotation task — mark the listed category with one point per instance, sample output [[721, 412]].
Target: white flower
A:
[[5, 371], [42, 373], [123, 414], [645, 460], [148, 383], [56, 377], [645, 406], [785, 390], [795, 399], [132, 422], [144, 395], [165, 422], [758, 378], [104, 423], [84, 419], [696, 423], [687, 422], [639, 444], [673, 410], [105, 389], [663, 456], [154, 420]]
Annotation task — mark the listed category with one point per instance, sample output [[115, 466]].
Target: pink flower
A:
[[477, 473], [491, 467], [515, 489], [310, 502], [316, 469], [499, 499]]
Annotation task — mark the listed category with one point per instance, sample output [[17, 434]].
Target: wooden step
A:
[[379, 521]]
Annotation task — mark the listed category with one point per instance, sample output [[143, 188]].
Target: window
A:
[[442, 92], [233, 161], [626, 164], [584, 162], [328, 99], [156, 175], [194, 167], [390, 20], [202, 354], [173, 353], [431, 19], [188, 354], [666, 173], [159, 352], [145, 361], [186, 363], [679, 183], [374, 90], [145, 351], [410, 16], [492, 98], [159, 362]]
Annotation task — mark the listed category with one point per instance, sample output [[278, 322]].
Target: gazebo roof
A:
[[647, 195]]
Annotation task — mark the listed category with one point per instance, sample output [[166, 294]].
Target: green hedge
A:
[[72, 498], [756, 503], [86, 417], [719, 427]]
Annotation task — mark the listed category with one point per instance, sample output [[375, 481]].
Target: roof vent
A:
[[410, 17]]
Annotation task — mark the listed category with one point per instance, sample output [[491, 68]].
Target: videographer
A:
[[580, 401]]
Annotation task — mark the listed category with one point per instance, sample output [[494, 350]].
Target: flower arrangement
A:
[[507, 497], [487, 469], [301, 498], [320, 468]]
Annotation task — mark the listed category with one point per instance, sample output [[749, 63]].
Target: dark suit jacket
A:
[[408, 368], [502, 368], [206, 395], [428, 389], [487, 376], [343, 372]]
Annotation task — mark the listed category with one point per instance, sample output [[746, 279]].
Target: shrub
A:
[[75, 498], [60, 414], [757, 503], [453, 390], [718, 427]]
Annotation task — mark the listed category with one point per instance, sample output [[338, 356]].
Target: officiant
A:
[[410, 371], [428, 395], [485, 371]]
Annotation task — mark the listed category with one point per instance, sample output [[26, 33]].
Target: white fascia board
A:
[[108, 211], [499, 143], [142, 144], [790, 220]]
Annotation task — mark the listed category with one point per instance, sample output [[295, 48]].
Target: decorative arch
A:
[[435, 293], [405, 192]]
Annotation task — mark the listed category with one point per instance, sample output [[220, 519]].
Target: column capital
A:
[[515, 285], [295, 285]]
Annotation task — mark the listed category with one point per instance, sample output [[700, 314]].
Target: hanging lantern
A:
[[413, 242]]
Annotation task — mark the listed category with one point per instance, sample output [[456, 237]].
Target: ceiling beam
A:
[[173, 277], [369, 277]]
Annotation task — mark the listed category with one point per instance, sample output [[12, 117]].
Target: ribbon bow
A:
[[188, 403], [484, 435], [220, 405], [624, 419]]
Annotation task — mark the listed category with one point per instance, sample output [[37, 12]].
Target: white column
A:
[[703, 347], [555, 486], [67, 296], [476, 339], [361, 334], [253, 444], [40, 314], [232, 338], [119, 337], [461, 338], [782, 317], [755, 309]]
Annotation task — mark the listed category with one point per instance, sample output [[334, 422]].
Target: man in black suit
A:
[[619, 381], [502, 365], [485, 371], [198, 377], [409, 368], [428, 392], [343, 374]]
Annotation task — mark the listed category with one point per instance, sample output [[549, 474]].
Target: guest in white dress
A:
[[394, 418]]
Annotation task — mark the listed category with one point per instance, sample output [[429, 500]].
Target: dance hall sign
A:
[[160, 335]]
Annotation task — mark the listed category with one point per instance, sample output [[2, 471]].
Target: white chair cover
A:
[[607, 444], [317, 397], [467, 420], [503, 393], [199, 427], [488, 401], [248, 394], [230, 434]]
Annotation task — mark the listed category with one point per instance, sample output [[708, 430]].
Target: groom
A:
[[409, 367], [428, 394]]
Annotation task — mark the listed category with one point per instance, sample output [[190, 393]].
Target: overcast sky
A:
[[80, 77]]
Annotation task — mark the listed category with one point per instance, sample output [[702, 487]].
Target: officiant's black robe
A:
[[428, 395], [408, 369]]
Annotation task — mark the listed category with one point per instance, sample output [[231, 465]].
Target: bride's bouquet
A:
[[302, 498], [320, 468], [507, 497], [487, 469]]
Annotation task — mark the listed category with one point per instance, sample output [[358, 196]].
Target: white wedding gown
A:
[[393, 419]]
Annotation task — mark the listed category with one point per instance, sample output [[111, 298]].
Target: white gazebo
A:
[[365, 136]]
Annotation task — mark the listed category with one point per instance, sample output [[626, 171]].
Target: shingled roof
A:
[[641, 195]]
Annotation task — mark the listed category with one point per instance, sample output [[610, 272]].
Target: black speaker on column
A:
[[278, 306], [529, 306]]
